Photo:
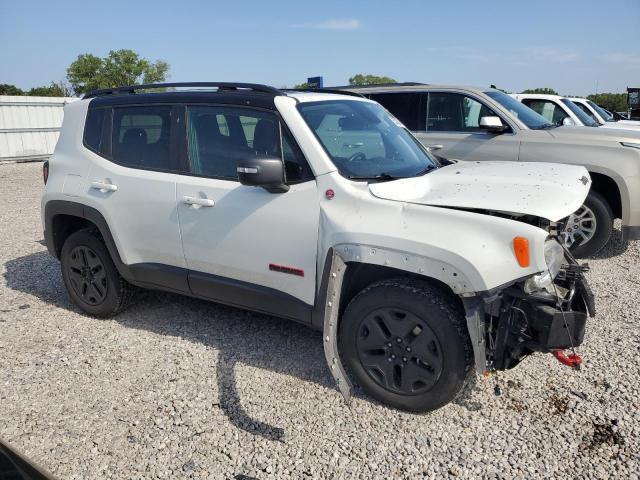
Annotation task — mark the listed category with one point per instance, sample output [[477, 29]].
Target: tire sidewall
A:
[[111, 302], [437, 314], [604, 226]]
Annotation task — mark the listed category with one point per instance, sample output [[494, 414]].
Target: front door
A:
[[239, 238], [452, 129]]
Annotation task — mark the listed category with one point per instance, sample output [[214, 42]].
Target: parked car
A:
[[324, 209], [484, 124], [561, 110], [603, 116]]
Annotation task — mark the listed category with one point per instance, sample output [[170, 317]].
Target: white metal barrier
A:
[[30, 126]]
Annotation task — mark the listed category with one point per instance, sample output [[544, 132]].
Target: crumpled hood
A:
[[548, 190]]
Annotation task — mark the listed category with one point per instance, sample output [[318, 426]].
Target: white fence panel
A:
[[30, 126]]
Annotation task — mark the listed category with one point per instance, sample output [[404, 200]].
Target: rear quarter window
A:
[[94, 128]]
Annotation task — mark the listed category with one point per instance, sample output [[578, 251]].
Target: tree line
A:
[[125, 67], [90, 72]]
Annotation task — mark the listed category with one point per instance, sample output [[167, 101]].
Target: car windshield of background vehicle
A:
[[527, 116], [583, 117], [601, 111], [365, 142]]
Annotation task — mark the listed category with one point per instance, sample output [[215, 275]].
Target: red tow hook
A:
[[573, 360]]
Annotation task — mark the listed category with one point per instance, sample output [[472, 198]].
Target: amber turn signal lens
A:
[[521, 250]]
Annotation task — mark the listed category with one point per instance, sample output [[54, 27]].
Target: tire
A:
[[603, 217], [405, 342], [90, 277]]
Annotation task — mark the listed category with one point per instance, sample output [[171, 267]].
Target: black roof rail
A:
[[219, 85], [325, 90]]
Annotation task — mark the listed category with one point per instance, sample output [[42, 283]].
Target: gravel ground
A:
[[181, 388]]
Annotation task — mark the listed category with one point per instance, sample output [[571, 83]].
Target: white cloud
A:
[[551, 54], [619, 57], [333, 24], [514, 56]]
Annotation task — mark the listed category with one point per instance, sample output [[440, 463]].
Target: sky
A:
[[572, 46]]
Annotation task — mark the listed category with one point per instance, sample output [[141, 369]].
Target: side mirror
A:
[[265, 172], [567, 121], [493, 125]]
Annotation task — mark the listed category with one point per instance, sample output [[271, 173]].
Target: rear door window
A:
[[141, 136]]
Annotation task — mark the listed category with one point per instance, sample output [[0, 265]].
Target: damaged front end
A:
[[544, 313]]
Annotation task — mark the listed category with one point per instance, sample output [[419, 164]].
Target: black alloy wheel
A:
[[87, 275], [399, 351]]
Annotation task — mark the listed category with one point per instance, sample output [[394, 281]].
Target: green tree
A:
[[545, 91], [614, 102], [360, 79], [119, 68], [53, 90], [6, 89], [302, 85]]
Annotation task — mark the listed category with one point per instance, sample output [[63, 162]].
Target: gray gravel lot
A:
[[181, 388]]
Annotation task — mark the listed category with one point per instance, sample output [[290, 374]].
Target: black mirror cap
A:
[[265, 172]]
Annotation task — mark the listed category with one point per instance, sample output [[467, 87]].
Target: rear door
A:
[[451, 127], [244, 245], [132, 182]]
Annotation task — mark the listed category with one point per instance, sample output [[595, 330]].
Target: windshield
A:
[[606, 116], [527, 116], [583, 117], [365, 141]]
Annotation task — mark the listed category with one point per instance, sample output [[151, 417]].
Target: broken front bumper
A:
[[507, 325]]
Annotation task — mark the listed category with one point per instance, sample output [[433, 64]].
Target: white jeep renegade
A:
[[324, 209]]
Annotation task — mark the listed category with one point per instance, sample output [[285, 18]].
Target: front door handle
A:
[[435, 147], [104, 186], [202, 202]]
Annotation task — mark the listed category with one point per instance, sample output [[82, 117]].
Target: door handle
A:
[[104, 187], [202, 202], [353, 145], [435, 147]]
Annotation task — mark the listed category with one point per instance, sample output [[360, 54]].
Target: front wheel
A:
[[406, 344], [589, 228]]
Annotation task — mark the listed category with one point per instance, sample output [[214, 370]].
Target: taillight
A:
[[45, 171]]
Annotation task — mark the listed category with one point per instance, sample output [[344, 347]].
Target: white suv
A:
[[320, 208], [561, 110]]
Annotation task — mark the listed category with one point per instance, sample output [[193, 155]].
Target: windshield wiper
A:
[[380, 176], [387, 176]]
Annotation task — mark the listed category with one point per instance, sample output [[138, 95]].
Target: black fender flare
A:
[[54, 208]]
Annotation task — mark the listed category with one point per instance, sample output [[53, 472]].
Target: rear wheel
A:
[[91, 278], [588, 230], [405, 342]]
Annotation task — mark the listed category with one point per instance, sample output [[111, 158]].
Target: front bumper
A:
[[543, 321]]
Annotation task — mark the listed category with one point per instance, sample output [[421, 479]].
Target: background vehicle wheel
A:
[[589, 228], [405, 341], [91, 278]]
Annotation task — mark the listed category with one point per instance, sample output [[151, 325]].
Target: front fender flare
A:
[[342, 254]]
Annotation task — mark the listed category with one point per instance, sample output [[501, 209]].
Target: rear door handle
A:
[[104, 187], [202, 202]]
